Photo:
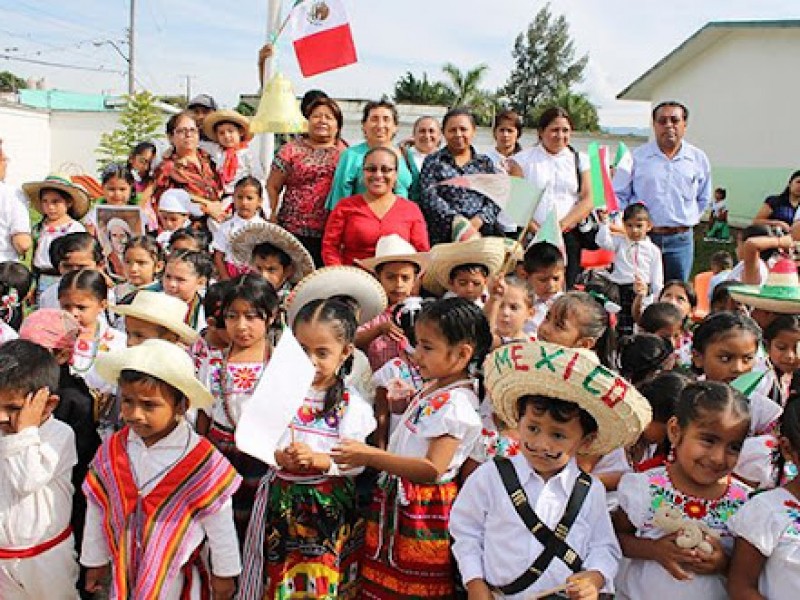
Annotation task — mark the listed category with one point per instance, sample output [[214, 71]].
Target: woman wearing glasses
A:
[[358, 222]]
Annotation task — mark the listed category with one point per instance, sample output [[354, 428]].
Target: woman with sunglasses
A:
[[358, 222]]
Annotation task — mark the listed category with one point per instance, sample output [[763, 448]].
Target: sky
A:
[[217, 48]]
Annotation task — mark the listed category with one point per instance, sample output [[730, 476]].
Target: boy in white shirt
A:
[[535, 524], [545, 269], [638, 268], [37, 454]]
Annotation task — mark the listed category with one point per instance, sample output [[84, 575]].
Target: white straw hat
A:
[[572, 375], [251, 235], [160, 309], [487, 251], [159, 359], [58, 181], [394, 248], [178, 200], [340, 280], [226, 116]]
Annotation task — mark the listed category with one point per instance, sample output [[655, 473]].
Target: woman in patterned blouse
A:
[[441, 204], [303, 169]]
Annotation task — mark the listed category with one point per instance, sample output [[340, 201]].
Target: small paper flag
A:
[[603, 195], [550, 232], [516, 196], [748, 382]]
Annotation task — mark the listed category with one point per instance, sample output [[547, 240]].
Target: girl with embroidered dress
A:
[[185, 275], [84, 294], [248, 309], [766, 556], [407, 547], [144, 262], [782, 344], [707, 432], [306, 525]]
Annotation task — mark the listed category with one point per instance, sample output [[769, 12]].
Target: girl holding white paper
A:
[[248, 308], [305, 523]]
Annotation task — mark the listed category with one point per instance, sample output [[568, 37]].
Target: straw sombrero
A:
[[430, 283], [332, 281], [57, 181], [488, 251], [393, 248], [780, 292], [569, 374], [226, 116], [162, 360], [248, 237], [160, 309]]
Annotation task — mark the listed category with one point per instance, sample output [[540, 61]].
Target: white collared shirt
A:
[[226, 230], [14, 219], [492, 542], [633, 259]]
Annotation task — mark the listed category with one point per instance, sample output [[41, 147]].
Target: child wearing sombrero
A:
[[535, 523], [464, 268], [233, 157]]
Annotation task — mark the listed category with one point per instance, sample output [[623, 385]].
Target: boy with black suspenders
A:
[[535, 525]]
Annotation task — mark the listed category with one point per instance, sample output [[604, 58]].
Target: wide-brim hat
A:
[[226, 116], [487, 251], [57, 181], [432, 285], [569, 374], [160, 309], [332, 281], [162, 360], [779, 294], [394, 248], [251, 235]]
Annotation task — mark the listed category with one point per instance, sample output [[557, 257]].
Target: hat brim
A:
[[331, 281], [80, 199], [487, 251], [187, 334], [226, 116], [421, 259], [146, 358], [539, 368], [248, 237], [755, 297]]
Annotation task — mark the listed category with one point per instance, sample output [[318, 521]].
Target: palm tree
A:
[[419, 90], [464, 85]]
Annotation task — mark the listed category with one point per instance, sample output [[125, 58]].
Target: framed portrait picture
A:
[[115, 226]]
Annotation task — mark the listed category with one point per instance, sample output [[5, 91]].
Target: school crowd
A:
[[487, 417]]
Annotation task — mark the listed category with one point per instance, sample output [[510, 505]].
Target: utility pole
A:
[[131, 49], [188, 79]]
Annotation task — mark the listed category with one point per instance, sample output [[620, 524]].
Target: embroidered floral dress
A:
[[492, 442], [771, 523], [399, 378], [640, 496]]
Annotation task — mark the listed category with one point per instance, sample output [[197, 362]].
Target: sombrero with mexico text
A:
[[487, 251], [248, 237], [572, 375], [339, 280], [780, 292], [62, 183], [226, 116]]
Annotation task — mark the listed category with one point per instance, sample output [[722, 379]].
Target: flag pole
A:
[[268, 139]]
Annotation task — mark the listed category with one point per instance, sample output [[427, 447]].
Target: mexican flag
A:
[[603, 194], [550, 232], [321, 36]]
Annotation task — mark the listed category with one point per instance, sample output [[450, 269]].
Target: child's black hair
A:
[[600, 328], [723, 193], [595, 323], [720, 325], [643, 355], [721, 295], [560, 411], [659, 315], [687, 287], [780, 323], [759, 231], [119, 171], [149, 244], [348, 301], [201, 261], [15, 284], [79, 241], [251, 181], [86, 280], [26, 367], [460, 321], [701, 397], [542, 255], [133, 376], [212, 302], [266, 250], [140, 149], [256, 291], [635, 211], [722, 259], [379, 268], [662, 393], [342, 319], [790, 429], [186, 234], [468, 268]]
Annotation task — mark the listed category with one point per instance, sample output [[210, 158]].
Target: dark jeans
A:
[[573, 246], [677, 251]]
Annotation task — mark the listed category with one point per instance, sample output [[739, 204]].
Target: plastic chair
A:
[[597, 259], [702, 283]]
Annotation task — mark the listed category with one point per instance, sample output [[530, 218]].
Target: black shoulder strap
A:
[[554, 542], [577, 167]]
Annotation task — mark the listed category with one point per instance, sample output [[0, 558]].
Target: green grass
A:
[[703, 250]]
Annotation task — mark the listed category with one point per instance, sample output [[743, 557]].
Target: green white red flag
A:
[[603, 194], [516, 196], [321, 36]]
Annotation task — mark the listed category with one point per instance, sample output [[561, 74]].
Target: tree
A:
[[465, 85], [544, 57], [10, 82], [140, 120], [581, 110], [419, 90]]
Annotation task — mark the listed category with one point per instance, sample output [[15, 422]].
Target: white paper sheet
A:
[[275, 401]]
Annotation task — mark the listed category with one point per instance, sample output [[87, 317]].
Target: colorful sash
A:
[[147, 535]]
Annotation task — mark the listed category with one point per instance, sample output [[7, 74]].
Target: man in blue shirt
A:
[[673, 179]]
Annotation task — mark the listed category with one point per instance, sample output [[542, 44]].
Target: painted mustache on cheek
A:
[[548, 455]]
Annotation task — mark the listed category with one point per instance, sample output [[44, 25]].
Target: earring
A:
[[671, 455]]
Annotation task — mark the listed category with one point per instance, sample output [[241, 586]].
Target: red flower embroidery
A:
[[439, 400], [244, 378], [695, 509], [305, 415], [791, 504]]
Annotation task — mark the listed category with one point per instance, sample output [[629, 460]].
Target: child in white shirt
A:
[[545, 268], [247, 201], [232, 155]]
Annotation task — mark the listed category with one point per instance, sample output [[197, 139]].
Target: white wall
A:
[[26, 141], [75, 137]]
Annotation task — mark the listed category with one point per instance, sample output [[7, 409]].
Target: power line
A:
[[65, 66]]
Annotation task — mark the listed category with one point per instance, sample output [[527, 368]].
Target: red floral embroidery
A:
[[244, 378], [695, 509], [439, 400]]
